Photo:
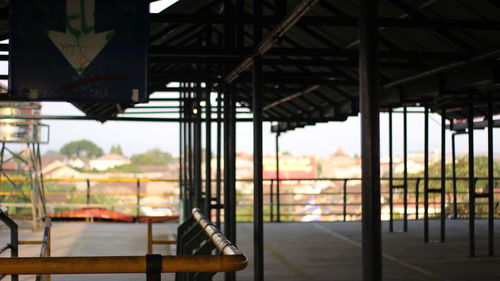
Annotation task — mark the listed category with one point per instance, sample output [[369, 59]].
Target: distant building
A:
[[57, 169], [108, 161], [77, 163]]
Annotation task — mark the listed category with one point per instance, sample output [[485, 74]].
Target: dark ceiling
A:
[[437, 53]]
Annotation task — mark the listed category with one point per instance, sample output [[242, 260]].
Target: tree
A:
[[116, 149], [81, 148], [153, 157]]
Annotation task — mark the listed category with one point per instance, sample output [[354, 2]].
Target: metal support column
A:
[[454, 176], [278, 199], [472, 203], [426, 174], [491, 180], [369, 89], [181, 157], [208, 153], [405, 169], [189, 175], [258, 195], [391, 175], [197, 148], [219, 166], [443, 175], [227, 160]]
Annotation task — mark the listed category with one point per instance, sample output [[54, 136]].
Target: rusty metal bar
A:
[[126, 264]]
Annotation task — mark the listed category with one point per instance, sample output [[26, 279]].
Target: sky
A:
[[322, 139]]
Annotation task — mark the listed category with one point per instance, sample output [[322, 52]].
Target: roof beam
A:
[[214, 52], [267, 43], [440, 30], [291, 97], [325, 21]]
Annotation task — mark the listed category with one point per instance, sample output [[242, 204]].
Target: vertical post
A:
[[405, 169], [370, 139], [150, 236], [14, 242], [491, 180], [426, 173], [454, 175], [197, 149], [258, 221], [258, 195], [189, 144], [187, 195], [229, 149], [138, 200], [278, 197], [344, 201], [181, 186], [208, 153], [391, 198], [472, 190], [271, 201], [417, 198], [219, 151], [443, 175], [88, 191]]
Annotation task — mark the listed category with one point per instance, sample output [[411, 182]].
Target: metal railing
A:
[[88, 198], [343, 200], [341, 203], [231, 259], [197, 236]]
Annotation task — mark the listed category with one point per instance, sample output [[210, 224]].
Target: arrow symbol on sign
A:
[[80, 45]]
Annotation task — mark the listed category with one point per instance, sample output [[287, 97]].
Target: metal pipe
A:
[[443, 176], [181, 156], [344, 201], [417, 197], [426, 174], [138, 199], [218, 164], [197, 152], [190, 187], [258, 222], [278, 197], [491, 181], [232, 165], [227, 176], [208, 155], [391, 199], [454, 175], [126, 264], [271, 201], [472, 189], [405, 168], [88, 191], [369, 89]]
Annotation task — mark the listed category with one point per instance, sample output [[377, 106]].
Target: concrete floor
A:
[[294, 251]]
